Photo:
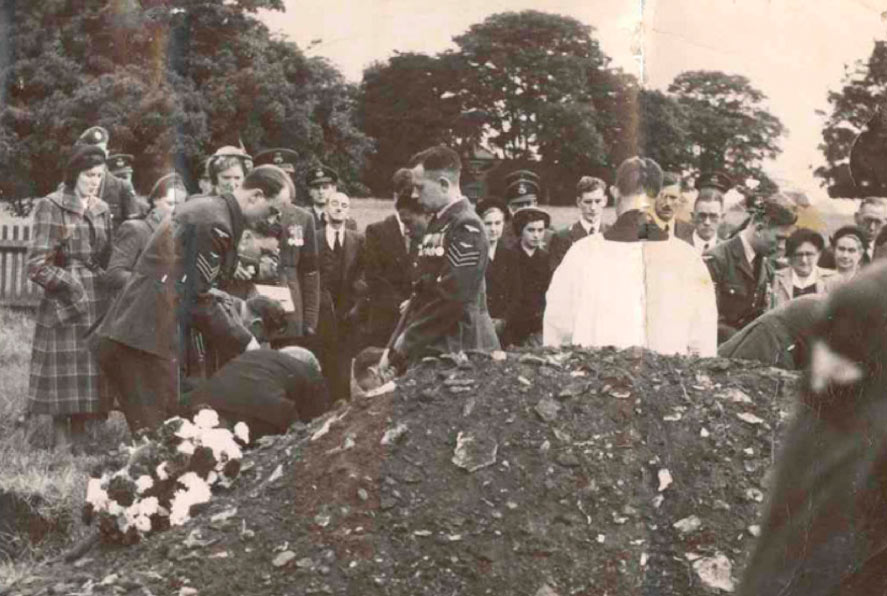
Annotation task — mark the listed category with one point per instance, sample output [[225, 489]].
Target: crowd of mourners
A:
[[270, 308]]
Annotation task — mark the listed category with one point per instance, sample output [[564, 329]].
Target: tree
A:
[[407, 104], [727, 125], [864, 89], [171, 80], [529, 73]]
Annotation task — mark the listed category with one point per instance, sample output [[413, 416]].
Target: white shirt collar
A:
[[699, 243], [492, 252], [331, 235], [749, 251], [797, 282], [588, 227], [665, 225], [403, 231]]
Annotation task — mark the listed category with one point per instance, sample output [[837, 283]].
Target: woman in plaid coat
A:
[[67, 256]]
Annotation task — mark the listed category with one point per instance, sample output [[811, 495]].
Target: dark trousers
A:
[[146, 385]]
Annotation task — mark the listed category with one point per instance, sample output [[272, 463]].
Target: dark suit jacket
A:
[[265, 385], [564, 238], [341, 282], [389, 277], [503, 279], [741, 298], [168, 293]]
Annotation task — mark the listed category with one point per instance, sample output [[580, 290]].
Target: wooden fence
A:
[[15, 288]]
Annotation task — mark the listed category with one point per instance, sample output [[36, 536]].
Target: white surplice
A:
[[656, 295]]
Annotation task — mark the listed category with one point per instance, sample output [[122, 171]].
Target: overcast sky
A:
[[792, 50]]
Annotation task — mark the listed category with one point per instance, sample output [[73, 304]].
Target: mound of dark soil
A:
[[585, 472]]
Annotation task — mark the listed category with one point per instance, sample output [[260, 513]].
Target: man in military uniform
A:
[[120, 164], [741, 268], [118, 194], [322, 182], [145, 335], [298, 265], [448, 309]]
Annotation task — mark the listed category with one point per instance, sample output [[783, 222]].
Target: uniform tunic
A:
[[129, 242], [742, 296], [449, 312], [66, 257]]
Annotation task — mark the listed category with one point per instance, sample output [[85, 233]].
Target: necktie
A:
[[337, 246]]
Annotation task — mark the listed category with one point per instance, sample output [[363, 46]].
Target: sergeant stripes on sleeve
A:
[[461, 256], [208, 271]]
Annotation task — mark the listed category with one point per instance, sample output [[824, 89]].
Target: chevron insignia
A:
[[207, 270], [460, 256]]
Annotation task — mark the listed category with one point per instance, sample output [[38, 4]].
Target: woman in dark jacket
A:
[[524, 325], [133, 234], [67, 257], [502, 275]]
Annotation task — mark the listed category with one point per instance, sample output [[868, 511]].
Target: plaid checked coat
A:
[[69, 249]]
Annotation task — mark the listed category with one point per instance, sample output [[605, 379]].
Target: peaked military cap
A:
[[319, 174], [283, 158], [522, 175], [120, 162], [717, 180], [522, 217], [521, 188], [94, 135]]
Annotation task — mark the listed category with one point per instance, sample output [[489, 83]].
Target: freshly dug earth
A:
[[594, 472]]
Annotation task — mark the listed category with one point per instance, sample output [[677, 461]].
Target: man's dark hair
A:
[[671, 179], [402, 182], [709, 194], [802, 236], [270, 180], [590, 184], [439, 158], [639, 175]]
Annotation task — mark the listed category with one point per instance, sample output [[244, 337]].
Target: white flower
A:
[[187, 430], [143, 524], [206, 418], [143, 483], [241, 431], [197, 491], [161, 471], [114, 508], [222, 442], [212, 477], [148, 506], [752, 183], [95, 494], [186, 447]]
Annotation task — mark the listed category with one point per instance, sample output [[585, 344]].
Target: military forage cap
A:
[[717, 180], [95, 135], [283, 158], [120, 162], [319, 174]]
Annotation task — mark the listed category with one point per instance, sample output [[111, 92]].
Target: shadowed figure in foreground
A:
[[825, 529]]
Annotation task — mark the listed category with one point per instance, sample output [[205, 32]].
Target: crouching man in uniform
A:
[[143, 339], [448, 307], [266, 389]]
